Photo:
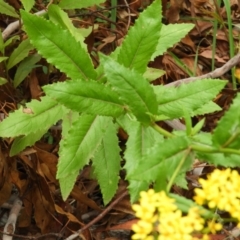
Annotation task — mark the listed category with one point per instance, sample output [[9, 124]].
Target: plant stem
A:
[[162, 131], [170, 183]]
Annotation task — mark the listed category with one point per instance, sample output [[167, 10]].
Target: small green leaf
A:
[[28, 4], [209, 107], [81, 143], [152, 74], [86, 96], [19, 53], [3, 81], [72, 4], [20, 143], [3, 59], [24, 68], [227, 132], [37, 115], [58, 16], [171, 34], [141, 40], [134, 90], [162, 160], [191, 97], [107, 157], [53, 43], [7, 9]]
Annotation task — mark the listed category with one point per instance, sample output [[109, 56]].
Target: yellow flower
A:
[[221, 190]]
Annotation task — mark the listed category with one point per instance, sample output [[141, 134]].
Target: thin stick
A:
[[214, 74], [101, 215]]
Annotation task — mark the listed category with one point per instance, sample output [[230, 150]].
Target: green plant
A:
[[94, 103]]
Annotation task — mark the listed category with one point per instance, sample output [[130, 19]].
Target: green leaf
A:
[[24, 68], [141, 40], [3, 59], [72, 4], [227, 132], [58, 16], [209, 107], [28, 4], [81, 143], [86, 96], [67, 184], [3, 81], [162, 160], [7, 9], [190, 97], [134, 90], [140, 140], [53, 43], [220, 159], [171, 34], [19, 53], [20, 143], [152, 74], [37, 115], [106, 163]]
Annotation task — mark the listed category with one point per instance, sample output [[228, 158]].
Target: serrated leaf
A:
[[209, 107], [28, 4], [59, 47], [37, 115], [24, 68], [171, 34], [106, 163], [220, 159], [86, 96], [133, 89], [7, 9], [67, 184], [72, 4], [141, 40], [162, 160], [19, 53], [227, 132], [58, 16], [189, 96], [140, 140], [20, 143], [81, 143]]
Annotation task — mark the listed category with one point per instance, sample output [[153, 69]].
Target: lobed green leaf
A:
[[86, 96], [53, 43], [171, 34], [141, 40], [81, 143], [133, 89]]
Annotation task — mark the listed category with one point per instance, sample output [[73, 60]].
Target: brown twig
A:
[[214, 74], [100, 216]]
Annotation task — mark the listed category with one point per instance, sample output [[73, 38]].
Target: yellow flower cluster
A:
[[160, 219], [221, 190]]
